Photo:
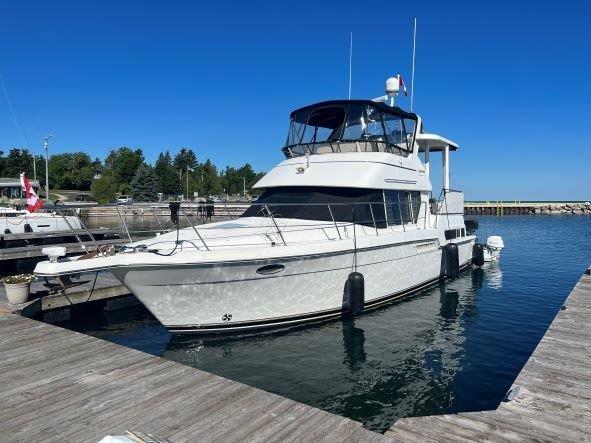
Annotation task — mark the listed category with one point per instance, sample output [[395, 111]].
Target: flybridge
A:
[[350, 126], [366, 126]]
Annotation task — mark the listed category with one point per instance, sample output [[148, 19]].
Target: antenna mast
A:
[[350, 62], [412, 77]]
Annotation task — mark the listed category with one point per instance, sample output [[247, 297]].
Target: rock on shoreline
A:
[[567, 208]]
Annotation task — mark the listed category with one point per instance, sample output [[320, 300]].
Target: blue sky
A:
[[509, 81]]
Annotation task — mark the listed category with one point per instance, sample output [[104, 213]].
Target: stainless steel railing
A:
[[334, 223]]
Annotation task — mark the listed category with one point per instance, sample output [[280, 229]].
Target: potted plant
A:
[[18, 287]]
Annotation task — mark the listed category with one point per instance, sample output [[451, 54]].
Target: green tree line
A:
[[125, 171]]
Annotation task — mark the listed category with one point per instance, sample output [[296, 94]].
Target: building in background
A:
[[11, 187]]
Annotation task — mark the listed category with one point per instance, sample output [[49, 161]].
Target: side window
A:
[[402, 206], [393, 207]]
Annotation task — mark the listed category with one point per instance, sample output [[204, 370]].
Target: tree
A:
[[168, 180], [248, 176], [144, 185], [206, 180], [104, 189], [17, 161], [185, 159], [124, 163], [71, 171]]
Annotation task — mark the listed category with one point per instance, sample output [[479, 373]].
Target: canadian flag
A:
[[33, 201]]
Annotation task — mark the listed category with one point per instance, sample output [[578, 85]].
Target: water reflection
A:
[[494, 275], [353, 344]]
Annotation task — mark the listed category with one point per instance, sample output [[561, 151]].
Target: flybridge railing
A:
[[333, 219]]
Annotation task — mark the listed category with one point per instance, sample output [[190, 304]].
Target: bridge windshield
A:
[[348, 127]]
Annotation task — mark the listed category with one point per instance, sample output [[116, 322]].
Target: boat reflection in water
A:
[[393, 362], [494, 275]]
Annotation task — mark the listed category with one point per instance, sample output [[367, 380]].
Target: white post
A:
[[427, 169], [46, 169], [34, 168], [445, 158]]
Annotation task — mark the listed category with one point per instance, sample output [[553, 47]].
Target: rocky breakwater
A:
[[566, 208]]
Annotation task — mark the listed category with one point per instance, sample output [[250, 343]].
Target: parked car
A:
[[83, 198], [124, 200]]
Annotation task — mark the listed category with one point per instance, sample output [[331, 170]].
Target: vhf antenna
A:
[[350, 62], [412, 76]]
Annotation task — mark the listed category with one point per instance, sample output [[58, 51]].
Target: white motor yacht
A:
[[345, 223]]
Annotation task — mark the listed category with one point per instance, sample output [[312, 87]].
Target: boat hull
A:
[[244, 295], [38, 223]]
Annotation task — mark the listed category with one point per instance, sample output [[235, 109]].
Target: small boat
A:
[[346, 222], [21, 221]]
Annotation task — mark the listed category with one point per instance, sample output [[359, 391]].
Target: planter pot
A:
[[17, 292]]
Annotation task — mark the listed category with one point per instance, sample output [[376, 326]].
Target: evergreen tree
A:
[[186, 158], [144, 186], [206, 180], [168, 180]]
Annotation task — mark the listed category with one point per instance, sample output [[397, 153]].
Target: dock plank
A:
[[59, 385]]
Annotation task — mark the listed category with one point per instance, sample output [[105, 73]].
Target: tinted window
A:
[[312, 203], [402, 206]]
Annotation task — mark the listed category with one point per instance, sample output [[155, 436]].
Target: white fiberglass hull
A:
[[236, 295], [37, 222]]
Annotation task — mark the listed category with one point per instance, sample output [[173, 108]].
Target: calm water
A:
[[456, 347]]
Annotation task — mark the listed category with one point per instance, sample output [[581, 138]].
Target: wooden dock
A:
[[61, 386], [55, 307], [30, 244], [552, 393]]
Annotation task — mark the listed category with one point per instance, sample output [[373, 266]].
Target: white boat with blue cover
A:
[[353, 195]]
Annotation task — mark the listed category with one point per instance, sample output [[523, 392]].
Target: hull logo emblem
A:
[[227, 317]]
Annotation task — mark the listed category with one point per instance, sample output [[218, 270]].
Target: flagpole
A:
[[47, 167], [412, 77]]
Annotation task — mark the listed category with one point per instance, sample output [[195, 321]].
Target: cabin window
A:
[[365, 206], [450, 234], [402, 206]]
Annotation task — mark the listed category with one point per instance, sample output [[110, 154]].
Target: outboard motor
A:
[[492, 249]]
